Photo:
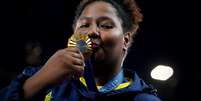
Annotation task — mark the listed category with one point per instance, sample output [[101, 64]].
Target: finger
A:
[[78, 68], [74, 60], [78, 62], [82, 56], [76, 55], [76, 50]]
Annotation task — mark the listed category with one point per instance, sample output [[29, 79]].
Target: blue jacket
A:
[[75, 90]]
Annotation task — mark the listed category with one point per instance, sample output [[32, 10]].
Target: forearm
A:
[[32, 86], [41, 82], [35, 84]]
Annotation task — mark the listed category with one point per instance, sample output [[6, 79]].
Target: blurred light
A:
[[162, 72]]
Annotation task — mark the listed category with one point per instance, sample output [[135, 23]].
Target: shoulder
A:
[[146, 97]]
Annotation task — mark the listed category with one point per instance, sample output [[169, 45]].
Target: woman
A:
[[110, 25]]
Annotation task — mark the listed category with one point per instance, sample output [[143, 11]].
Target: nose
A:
[[94, 32]]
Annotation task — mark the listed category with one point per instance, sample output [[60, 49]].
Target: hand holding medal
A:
[[84, 44]]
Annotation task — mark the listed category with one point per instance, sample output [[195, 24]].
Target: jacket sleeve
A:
[[14, 91], [146, 97]]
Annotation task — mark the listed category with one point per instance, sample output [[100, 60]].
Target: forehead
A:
[[98, 9]]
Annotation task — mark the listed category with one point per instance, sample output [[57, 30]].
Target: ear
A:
[[127, 40]]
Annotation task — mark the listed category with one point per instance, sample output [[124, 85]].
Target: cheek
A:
[[112, 38]]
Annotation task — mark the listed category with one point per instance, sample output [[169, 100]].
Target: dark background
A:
[[168, 36]]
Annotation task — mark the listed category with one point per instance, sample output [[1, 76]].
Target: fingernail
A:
[[84, 65]]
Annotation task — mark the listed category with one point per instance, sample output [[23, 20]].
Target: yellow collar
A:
[[120, 86]]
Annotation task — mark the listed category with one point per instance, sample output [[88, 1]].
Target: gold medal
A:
[[82, 42]]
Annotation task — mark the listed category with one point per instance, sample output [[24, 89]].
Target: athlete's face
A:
[[105, 27]]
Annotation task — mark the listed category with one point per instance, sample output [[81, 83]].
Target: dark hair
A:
[[127, 10]]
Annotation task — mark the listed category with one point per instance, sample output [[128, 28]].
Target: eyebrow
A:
[[85, 18], [104, 18], [99, 18]]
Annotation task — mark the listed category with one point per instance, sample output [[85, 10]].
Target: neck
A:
[[103, 74], [105, 71]]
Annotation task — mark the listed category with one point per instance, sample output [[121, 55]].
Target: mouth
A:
[[96, 44]]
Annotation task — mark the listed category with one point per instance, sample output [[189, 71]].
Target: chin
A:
[[99, 55]]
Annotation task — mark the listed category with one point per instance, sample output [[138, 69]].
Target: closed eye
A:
[[84, 26], [106, 26]]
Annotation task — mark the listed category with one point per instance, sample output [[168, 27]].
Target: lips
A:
[[95, 43]]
